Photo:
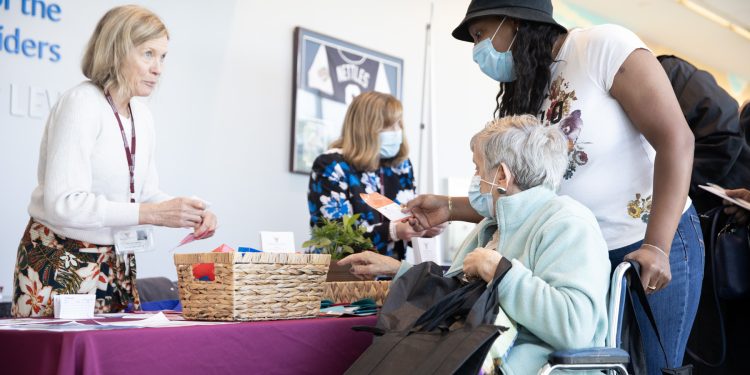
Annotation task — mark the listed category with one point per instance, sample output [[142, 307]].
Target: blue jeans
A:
[[674, 307]]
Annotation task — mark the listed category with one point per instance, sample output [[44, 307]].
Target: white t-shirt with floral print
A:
[[611, 164]]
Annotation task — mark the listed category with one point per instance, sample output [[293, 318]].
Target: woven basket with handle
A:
[[252, 286]]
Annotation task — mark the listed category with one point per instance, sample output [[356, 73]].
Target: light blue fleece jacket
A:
[[556, 290]]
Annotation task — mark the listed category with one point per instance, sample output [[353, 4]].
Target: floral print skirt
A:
[[49, 264]]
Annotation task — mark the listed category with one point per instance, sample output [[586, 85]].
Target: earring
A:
[[502, 190]]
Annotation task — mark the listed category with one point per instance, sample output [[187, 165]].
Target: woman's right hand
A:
[[207, 227], [741, 215], [656, 272], [175, 213], [368, 264]]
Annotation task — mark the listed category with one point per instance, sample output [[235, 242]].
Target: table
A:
[[304, 346]]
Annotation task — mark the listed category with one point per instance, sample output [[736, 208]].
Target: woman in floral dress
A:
[[371, 155], [92, 182]]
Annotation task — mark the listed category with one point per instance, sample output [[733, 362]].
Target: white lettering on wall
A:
[[34, 102]]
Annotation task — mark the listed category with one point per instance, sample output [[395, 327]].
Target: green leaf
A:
[[339, 237]]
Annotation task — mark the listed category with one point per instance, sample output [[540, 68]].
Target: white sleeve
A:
[[608, 47], [72, 133]]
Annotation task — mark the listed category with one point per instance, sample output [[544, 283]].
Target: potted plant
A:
[[339, 238]]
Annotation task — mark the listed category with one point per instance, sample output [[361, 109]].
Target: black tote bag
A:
[[728, 255], [729, 249], [430, 324]]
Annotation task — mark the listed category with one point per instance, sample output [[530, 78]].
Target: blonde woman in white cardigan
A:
[[97, 175]]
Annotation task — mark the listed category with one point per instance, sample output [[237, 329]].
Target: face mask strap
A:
[[514, 39], [498, 28], [493, 179]]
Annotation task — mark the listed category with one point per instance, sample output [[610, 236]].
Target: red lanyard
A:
[[129, 150]]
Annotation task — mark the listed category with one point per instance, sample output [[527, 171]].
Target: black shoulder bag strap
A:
[[635, 287], [714, 214]]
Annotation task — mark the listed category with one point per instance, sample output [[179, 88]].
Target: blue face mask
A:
[[482, 203], [497, 65], [390, 143]]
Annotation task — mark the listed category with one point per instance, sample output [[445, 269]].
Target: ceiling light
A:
[[715, 17]]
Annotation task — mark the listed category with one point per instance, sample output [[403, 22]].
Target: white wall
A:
[[223, 109]]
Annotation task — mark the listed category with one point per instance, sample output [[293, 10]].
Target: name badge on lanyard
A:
[[137, 239]]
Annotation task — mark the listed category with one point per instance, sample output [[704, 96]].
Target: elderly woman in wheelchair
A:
[[548, 248]]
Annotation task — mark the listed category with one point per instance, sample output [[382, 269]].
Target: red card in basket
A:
[[384, 205]]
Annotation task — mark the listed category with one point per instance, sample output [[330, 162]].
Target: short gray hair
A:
[[535, 154]]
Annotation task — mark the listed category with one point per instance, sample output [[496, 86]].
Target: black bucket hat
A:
[[530, 10]]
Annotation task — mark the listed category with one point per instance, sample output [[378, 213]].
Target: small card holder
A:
[[74, 306], [137, 239], [425, 250], [277, 242]]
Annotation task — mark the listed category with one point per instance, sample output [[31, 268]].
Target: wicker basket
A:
[[252, 286], [350, 291]]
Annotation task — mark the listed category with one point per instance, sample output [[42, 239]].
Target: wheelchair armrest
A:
[[589, 356]]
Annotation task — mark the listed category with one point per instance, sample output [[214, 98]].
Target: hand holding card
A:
[[190, 238], [384, 205], [719, 191]]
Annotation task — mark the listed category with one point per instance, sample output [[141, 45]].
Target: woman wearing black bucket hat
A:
[[630, 150]]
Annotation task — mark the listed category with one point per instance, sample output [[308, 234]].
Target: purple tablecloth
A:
[[305, 346]]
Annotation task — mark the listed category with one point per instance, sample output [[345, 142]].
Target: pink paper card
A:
[[188, 239], [384, 205]]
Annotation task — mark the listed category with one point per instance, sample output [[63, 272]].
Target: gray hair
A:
[[535, 154]]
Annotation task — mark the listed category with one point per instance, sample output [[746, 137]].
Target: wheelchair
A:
[[611, 357]]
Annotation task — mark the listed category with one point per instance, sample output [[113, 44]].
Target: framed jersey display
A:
[[328, 74]]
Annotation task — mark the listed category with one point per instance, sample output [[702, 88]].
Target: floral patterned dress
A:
[[49, 264], [334, 192]]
